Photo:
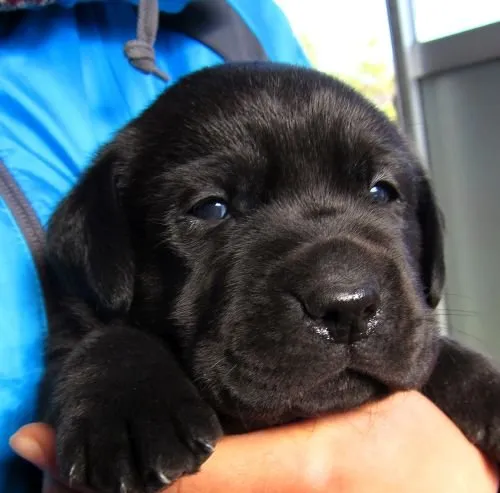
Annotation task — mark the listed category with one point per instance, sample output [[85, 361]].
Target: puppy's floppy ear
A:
[[432, 266], [89, 248]]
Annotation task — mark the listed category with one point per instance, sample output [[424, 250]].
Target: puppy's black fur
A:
[[315, 293]]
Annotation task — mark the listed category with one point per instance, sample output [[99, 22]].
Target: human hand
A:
[[400, 444]]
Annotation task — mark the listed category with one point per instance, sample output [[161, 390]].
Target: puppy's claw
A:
[[76, 475], [157, 480], [163, 478], [123, 487], [205, 446]]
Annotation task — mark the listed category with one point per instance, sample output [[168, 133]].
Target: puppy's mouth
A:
[[349, 390], [259, 392], [268, 378]]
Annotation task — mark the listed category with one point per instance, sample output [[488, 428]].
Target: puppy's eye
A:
[[212, 209], [383, 193]]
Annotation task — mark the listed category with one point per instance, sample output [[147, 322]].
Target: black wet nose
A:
[[344, 311]]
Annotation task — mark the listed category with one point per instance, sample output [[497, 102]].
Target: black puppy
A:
[[259, 246]]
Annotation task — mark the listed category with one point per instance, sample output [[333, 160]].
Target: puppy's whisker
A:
[[468, 335], [461, 296], [459, 314], [241, 415], [216, 364], [462, 315], [453, 311], [160, 243]]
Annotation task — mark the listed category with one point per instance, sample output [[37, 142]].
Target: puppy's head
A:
[[272, 226]]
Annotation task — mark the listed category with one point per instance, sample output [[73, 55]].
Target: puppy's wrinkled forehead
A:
[[271, 126]]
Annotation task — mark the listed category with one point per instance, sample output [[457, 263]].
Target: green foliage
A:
[[372, 77]]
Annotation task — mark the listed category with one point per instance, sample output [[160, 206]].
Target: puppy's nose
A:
[[343, 310]]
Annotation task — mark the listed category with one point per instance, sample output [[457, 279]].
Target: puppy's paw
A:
[[484, 430], [134, 444], [466, 386]]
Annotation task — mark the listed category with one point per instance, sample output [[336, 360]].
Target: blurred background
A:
[[434, 67], [349, 39]]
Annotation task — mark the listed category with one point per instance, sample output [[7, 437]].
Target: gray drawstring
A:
[[140, 52]]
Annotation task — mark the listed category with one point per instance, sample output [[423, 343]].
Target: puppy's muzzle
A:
[[337, 289]]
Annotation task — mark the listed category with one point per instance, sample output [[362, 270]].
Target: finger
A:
[[36, 443]]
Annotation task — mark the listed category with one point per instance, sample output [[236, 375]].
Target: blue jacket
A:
[[65, 88]]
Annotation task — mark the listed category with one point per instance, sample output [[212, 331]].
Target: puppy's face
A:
[[274, 228]]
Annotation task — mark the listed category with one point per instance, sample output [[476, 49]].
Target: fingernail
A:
[[27, 448]]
